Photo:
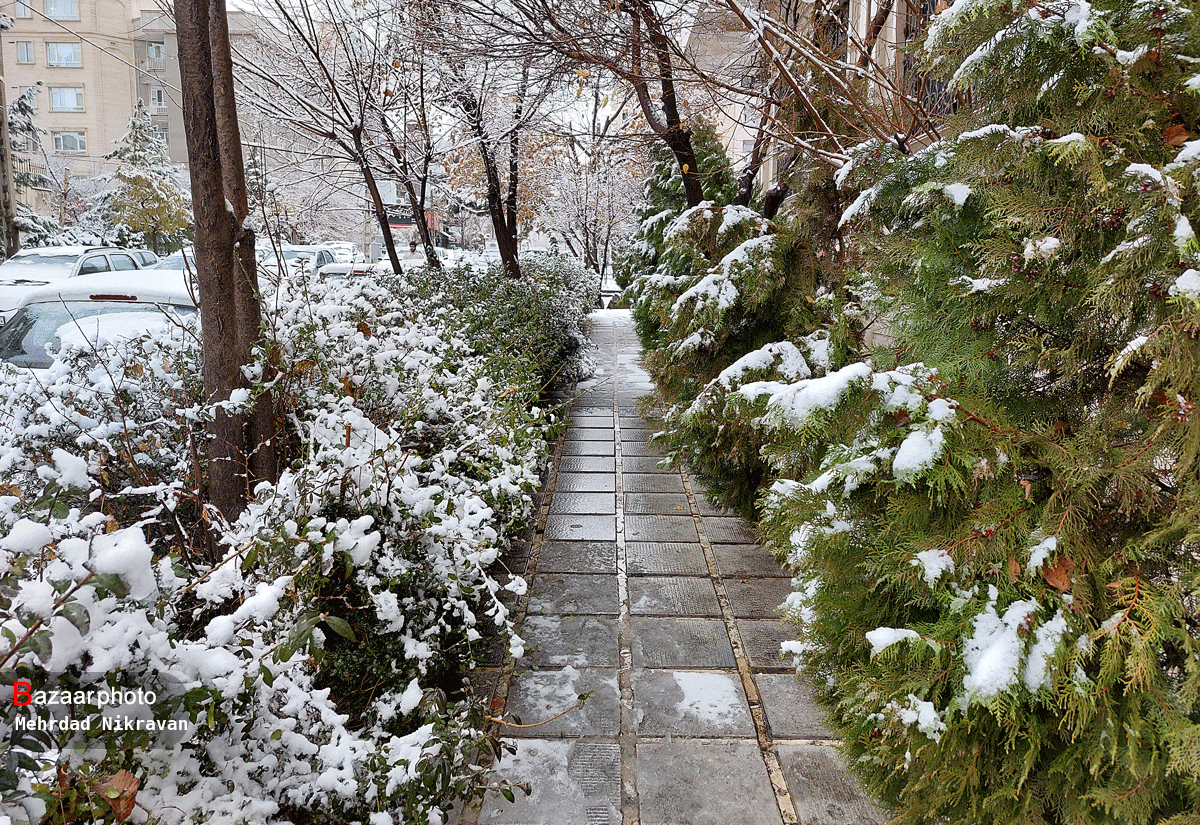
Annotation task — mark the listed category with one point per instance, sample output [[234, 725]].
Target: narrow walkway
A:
[[661, 608]]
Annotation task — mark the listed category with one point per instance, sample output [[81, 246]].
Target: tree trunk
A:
[[385, 228], [263, 435], [506, 236], [214, 258]]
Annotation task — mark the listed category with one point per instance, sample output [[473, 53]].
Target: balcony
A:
[[153, 64]]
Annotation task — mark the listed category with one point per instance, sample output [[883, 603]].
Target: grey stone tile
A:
[[589, 448], [587, 464], [761, 640], [585, 410], [821, 790], [672, 596], [579, 503], [673, 504], [735, 560], [727, 530], [568, 482], [580, 528], [651, 483], [757, 598], [604, 422], [537, 695], [635, 434], [582, 433], [792, 713], [690, 703], [640, 448], [660, 528], [577, 557], [644, 464], [578, 641], [708, 508], [704, 783], [573, 594], [681, 643], [574, 783], [665, 558]]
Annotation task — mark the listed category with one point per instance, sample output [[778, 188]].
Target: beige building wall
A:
[[81, 52]]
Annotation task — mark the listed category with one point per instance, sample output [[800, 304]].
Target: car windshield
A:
[[37, 267], [176, 261], [37, 331]]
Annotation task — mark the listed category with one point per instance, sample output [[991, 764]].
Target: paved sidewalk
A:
[[662, 608]]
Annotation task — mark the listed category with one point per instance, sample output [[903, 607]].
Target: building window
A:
[[64, 54], [24, 51], [23, 9], [748, 147], [156, 51], [32, 91], [66, 99], [158, 100], [70, 143], [162, 132], [31, 144], [62, 9]]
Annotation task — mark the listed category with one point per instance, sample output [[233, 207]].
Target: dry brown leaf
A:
[[364, 329], [119, 791], [111, 526], [1176, 135], [1059, 576], [1027, 486], [1014, 568]]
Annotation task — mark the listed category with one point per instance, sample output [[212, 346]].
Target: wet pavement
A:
[[661, 609]]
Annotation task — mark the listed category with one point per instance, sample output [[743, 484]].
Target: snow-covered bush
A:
[[313, 665]]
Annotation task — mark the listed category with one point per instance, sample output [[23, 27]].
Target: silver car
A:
[[31, 269]]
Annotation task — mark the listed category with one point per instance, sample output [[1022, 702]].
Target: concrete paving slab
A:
[[665, 559], [595, 400], [582, 433], [660, 503], [577, 557], [725, 530], [572, 595], [589, 448], [538, 696], [744, 560], [792, 713], [604, 422], [644, 464], [652, 483], [635, 433], [708, 508], [660, 642], [568, 482], [707, 703], [587, 464], [580, 528], [761, 640], [660, 528], [757, 598], [672, 596], [683, 782], [580, 503], [640, 448], [574, 783], [578, 641], [822, 791]]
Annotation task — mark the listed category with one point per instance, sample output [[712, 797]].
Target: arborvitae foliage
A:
[[148, 199], [999, 549]]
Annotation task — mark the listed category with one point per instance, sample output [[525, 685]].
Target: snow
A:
[[1068, 139], [1039, 553], [917, 453], [1041, 248], [707, 696], [942, 409], [925, 715], [794, 403], [72, 470], [791, 363], [860, 204], [933, 563], [1046, 640], [981, 284], [1128, 58], [993, 652], [957, 193], [881, 638], [125, 553], [26, 537], [1184, 235], [1187, 285]]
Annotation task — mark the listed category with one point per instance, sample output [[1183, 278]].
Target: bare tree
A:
[[228, 294]]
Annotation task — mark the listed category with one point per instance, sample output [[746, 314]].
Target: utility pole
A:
[[12, 241]]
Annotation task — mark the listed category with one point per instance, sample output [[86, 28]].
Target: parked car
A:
[[297, 259], [345, 252], [91, 307], [33, 268], [145, 257]]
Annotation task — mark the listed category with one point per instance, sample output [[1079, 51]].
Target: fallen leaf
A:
[[1059, 576], [1176, 135], [1027, 486], [1014, 568], [120, 792]]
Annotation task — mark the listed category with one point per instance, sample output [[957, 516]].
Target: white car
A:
[[91, 308], [33, 268]]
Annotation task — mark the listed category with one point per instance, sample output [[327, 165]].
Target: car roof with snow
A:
[[140, 285], [54, 251]]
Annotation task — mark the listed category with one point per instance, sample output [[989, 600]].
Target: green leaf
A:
[[341, 627], [77, 614], [508, 794]]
